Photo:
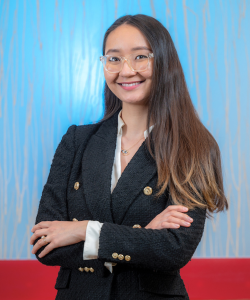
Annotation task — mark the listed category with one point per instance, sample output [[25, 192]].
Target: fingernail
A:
[[188, 224], [190, 219], [176, 225]]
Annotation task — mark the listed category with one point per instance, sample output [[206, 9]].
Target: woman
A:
[[138, 183]]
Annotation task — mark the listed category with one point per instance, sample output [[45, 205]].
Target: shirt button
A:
[[147, 190], [137, 226], [121, 257], [76, 186], [127, 258], [115, 255]]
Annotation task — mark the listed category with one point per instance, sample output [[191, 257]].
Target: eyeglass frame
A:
[[150, 55]]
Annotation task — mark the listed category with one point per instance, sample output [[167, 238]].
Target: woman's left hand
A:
[[57, 234]]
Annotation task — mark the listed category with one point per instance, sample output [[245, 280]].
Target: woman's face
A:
[[124, 39]]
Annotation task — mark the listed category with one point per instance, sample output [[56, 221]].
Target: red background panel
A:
[[227, 278], [209, 279]]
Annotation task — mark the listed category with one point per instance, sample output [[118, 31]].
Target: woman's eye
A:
[[114, 59], [140, 56]]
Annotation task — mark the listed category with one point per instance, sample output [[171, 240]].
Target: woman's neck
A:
[[135, 119]]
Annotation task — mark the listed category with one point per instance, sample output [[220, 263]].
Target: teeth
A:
[[131, 84]]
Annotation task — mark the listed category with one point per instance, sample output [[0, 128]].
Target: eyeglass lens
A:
[[138, 61]]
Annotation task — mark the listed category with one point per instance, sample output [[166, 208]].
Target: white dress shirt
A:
[[91, 245]]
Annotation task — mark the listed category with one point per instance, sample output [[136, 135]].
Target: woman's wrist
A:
[[82, 229]]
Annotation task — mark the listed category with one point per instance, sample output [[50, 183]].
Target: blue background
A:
[[51, 77]]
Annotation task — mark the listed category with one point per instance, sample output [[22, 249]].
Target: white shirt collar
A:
[[121, 124]]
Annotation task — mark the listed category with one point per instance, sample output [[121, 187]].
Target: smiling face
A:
[[121, 42]]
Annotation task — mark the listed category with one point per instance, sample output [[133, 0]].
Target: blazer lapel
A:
[[97, 166], [134, 178]]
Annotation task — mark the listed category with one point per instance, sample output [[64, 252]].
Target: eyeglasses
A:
[[137, 62]]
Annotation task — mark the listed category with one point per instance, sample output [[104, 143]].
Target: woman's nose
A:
[[126, 70]]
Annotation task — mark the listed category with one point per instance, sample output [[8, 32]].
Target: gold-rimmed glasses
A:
[[137, 62]]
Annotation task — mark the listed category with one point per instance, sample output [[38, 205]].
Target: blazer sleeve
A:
[[53, 203], [157, 249]]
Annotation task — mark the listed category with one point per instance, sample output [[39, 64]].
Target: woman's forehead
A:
[[126, 38]]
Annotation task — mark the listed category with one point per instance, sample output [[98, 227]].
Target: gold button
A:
[[115, 255], [147, 190], [91, 270], [127, 258], [137, 226], [76, 186], [74, 219], [86, 269], [121, 257], [81, 269]]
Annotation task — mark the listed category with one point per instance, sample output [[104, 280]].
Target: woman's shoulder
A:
[[78, 131], [77, 134], [84, 132], [86, 129]]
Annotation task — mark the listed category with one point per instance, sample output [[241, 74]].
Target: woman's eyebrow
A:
[[132, 49]]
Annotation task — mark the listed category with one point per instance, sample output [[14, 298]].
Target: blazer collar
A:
[[97, 164], [133, 180]]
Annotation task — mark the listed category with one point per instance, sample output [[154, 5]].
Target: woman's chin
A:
[[137, 101]]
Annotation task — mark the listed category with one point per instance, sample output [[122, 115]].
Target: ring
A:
[[44, 238]]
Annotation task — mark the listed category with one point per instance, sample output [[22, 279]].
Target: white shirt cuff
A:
[[91, 245]]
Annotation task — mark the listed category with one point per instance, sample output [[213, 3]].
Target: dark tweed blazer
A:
[[86, 155]]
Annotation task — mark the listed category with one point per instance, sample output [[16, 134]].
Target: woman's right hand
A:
[[172, 217]]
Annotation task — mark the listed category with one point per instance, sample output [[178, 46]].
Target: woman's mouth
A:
[[131, 86]]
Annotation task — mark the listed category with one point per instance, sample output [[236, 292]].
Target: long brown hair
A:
[[186, 154]]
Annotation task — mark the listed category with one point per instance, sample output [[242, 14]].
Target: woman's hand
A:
[[57, 234], [172, 217]]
